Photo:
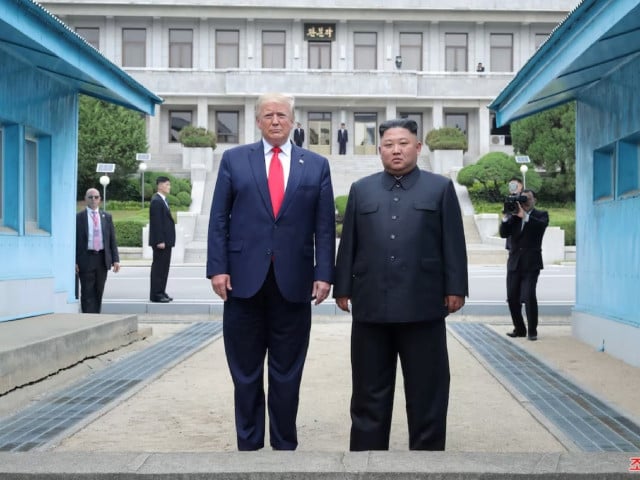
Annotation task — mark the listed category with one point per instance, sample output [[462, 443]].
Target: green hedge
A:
[[129, 232]]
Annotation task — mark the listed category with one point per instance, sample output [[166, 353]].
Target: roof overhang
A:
[[597, 38], [37, 38]]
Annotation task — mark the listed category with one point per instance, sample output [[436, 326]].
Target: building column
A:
[[484, 129], [391, 112], [155, 56], [203, 48], [153, 131], [437, 115], [202, 114], [250, 121], [110, 49]]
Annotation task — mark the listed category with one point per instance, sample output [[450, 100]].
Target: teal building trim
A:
[[592, 59]]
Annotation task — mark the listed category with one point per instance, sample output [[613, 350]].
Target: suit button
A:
[[269, 252], [392, 258], [394, 217], [392, 237], [395, 199]]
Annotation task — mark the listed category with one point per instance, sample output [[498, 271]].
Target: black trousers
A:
[[159, 272], [422, 348], [252, 328], [92, 282], [521, 288]]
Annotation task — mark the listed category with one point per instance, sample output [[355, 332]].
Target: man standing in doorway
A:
[[162, 238], [343, 138], [96, 252], [298, 135]]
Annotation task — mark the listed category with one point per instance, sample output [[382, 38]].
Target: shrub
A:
[[184, 198], [123, 205], [129, 232], [446, 138], [191, 136]]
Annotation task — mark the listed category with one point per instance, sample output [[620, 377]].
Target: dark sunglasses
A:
[[96, 197]]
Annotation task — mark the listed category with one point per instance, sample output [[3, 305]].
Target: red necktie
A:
[[276, 181]]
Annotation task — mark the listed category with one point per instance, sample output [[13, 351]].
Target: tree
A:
[[109, 134], [548, 138], [487, 179]]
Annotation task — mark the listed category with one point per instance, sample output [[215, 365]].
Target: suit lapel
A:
[[296, 168], [259, 171]]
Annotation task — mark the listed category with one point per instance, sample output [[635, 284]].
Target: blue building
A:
[[44, 66], [592, 58]]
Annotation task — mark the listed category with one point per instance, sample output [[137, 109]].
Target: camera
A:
[[511, 202]]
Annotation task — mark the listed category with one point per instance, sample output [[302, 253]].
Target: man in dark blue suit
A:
[[270, 253], [402, 263]]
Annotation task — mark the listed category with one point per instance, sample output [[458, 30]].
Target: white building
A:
[[354, 61]]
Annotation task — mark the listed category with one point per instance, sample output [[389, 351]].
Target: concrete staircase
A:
[[344, 171]]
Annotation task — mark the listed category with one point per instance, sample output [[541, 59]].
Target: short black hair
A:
[[406, 123], [529, 190], [516, 179], [162, 179]]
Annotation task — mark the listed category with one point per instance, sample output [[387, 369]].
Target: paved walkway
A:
[[492, 427]]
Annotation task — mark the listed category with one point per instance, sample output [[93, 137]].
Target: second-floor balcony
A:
[[322, 83]]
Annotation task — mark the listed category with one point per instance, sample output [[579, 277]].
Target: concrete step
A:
[[37, 347], [482, 254]]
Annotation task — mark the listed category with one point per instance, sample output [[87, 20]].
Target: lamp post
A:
[[104, 181], [523, 170], [142, 167]]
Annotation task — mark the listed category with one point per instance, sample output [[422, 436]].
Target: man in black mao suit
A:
[[524, 231], [271, 252], [162, 238], [402, 264], [96, 252], [298, 135]]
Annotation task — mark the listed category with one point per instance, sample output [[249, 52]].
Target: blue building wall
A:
[[37, 267], [607, 310]]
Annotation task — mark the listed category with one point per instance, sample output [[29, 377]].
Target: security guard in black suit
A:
[[162, 238]]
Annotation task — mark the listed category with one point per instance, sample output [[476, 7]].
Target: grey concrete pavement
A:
[[182, 422]]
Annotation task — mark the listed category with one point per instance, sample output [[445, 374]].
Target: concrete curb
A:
[[268, 465]]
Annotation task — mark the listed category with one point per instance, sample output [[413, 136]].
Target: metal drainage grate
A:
[[46, 420], [591, 424]]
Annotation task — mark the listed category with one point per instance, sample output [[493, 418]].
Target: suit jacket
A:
[[108, 239], [525, 246], [244, 235], [298, 136], [343, 136], [402, 249], [162, 227]]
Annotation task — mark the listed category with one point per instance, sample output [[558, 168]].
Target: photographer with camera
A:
[[523, 226]]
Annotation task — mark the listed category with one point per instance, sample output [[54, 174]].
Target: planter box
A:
[[197, 157], [444, 161]]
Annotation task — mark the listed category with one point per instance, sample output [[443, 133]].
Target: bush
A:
[[129, 232], [191, 136], [123, 205], [487, 179], [446, 138], [184, 199], [341, 205]]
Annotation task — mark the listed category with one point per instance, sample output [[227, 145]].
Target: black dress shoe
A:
[[533, 338], [168, 297], [160, 300], [515, 334]]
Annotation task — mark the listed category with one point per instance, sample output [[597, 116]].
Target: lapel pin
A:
[[301, 161]]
